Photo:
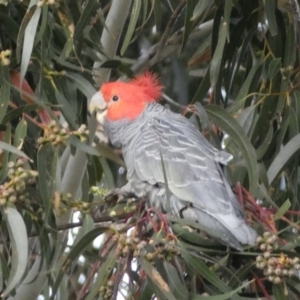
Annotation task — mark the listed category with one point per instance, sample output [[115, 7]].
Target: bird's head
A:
[[125, 100]]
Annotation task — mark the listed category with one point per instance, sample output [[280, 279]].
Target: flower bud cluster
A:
[[275, 268], [163, 250], [98, 191], [106, 291], [56, 135], [82, 132], [5, 57], [66, 202], [18, 178]]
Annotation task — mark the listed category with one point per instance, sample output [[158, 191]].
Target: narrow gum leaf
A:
[[29, 38], [19, 242]]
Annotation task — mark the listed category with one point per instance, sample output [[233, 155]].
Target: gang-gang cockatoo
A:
[[158, 144]]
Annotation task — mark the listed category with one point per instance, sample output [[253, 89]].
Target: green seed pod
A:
[[136, 240], [295, 260], [110, 283], [259, 239], [141, 245], [271, 278], [11, 165], [260, 265], [277, 280], [3, 201], [5, 193], [125, 250], [284, 272], [150, 256], [12, 199], [266, 272], [297, 266], [263, 247], [266, 234], [277, 271], [272, 261], [52, 124]]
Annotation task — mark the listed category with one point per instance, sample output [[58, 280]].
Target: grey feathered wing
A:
[[193, 173]]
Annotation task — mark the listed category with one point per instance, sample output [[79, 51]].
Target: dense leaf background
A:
[[231, 66]]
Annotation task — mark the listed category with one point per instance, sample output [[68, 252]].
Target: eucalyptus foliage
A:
[[231, 66]]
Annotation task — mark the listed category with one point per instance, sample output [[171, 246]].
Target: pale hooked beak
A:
[[98, 106]]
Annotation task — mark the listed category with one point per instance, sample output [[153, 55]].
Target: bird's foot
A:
[[119, 195]]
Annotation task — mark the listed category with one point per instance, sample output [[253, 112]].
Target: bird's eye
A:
[[115, 98]]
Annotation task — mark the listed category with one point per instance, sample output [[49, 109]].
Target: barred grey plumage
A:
[[198, 187]]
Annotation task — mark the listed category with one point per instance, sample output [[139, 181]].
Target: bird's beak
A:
[[98, 107]]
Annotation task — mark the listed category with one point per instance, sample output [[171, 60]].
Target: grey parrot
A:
[[159, 145]]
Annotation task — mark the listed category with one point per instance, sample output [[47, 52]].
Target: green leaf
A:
[[202, 89], [279, 291], [29, 37], [215, 63], [270, 6], [83, 146], [224, 296], [18, 111], [188, 21], [82, 84], [200, 8], [224, 120], [85, 17], [102, 276], [4, 90], [12, 149], [197, 265], [19, 243], [243, 92], [46, 166], [19, 137], [160, 285], [136, 8], [285, 154], [74, 254], [227, 13], [274, 68], [282, 210], [176, 285], [66, 109]]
